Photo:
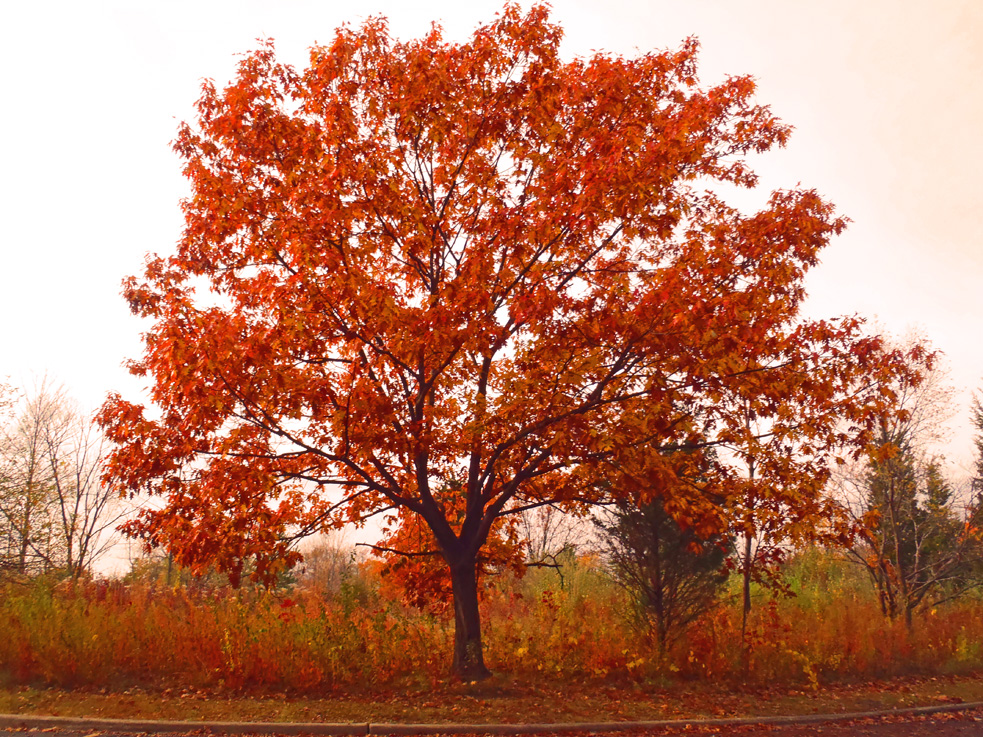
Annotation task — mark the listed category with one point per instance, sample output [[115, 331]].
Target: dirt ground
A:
[[950, 724]]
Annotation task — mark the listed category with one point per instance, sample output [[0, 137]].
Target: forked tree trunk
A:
[[469, 660]]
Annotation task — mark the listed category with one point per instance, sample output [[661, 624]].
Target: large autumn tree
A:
[[422, 264]]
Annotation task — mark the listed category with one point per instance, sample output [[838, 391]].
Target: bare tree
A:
[[6, 401], [25, 497], [55, 514], [328, 562], [551, 535], [86, 512]]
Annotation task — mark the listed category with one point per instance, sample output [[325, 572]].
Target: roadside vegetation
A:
[[358, 635]]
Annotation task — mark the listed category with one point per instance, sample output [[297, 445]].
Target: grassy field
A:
[[567, 651]]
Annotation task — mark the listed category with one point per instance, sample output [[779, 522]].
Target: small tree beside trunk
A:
[[671, 574]]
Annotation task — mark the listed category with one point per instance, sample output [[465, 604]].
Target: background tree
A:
[[27, 497], [913, 539], [7, 396], [777, 499], [421, 260], [914, 543], [672, 575], [55, 512], [86, 512], [551, 537], [328, 564], [977, 419]]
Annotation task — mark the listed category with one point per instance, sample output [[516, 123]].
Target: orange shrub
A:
[[113, 635]]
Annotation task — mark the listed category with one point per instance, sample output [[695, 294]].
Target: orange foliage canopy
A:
[[420, 261]]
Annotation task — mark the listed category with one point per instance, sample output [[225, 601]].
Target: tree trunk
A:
[[748, 550], [746, 583], [469, 660], [746, 596]]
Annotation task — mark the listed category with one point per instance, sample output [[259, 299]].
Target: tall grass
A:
[[111, 634], [114, 635]]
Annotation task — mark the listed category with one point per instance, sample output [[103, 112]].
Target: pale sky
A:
[[886, 97]]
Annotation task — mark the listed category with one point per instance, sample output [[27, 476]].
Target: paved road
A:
[[954, 724]]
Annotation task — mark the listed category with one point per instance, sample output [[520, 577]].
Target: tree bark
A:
[[469, 660], [746, 597], [746, 582]]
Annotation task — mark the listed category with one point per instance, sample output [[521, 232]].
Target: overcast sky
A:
[[886, 97]]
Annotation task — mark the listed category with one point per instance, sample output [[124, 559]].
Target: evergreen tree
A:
[[977, 411], [672, 575], [912, 541]]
